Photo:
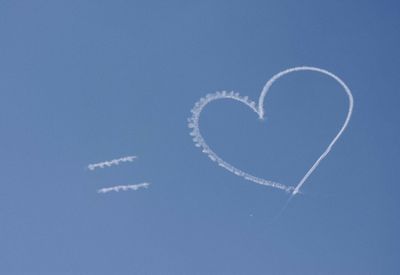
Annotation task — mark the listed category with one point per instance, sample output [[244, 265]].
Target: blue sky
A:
[[88, 81]]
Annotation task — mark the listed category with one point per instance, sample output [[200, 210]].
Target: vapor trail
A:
[[259, 110], [111, 162], [123, 187], [344, 126]]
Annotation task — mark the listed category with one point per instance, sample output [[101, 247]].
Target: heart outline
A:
[[259, 110]]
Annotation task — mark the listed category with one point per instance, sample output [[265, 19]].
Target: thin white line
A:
[[344, 126]]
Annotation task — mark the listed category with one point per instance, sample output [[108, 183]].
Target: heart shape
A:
[[259, 110]]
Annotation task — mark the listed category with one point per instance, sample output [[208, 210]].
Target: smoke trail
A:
[[111, 162], [259, 110], [123, 188]]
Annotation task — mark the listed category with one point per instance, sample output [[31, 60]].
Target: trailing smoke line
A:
[[118, 188], [111, 162]]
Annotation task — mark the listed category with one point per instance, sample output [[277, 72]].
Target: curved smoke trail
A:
[[259, 110]]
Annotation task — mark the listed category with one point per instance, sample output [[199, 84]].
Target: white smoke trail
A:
[[123, 187], [111, 162], [259, 110]]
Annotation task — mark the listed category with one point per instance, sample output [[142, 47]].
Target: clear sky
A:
[[87, 81]]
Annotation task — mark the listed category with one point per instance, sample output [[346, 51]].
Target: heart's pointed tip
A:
[[260, 114], [296, 192], [292, 191]]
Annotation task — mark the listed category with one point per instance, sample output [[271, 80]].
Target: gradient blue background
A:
[[88, 81]]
